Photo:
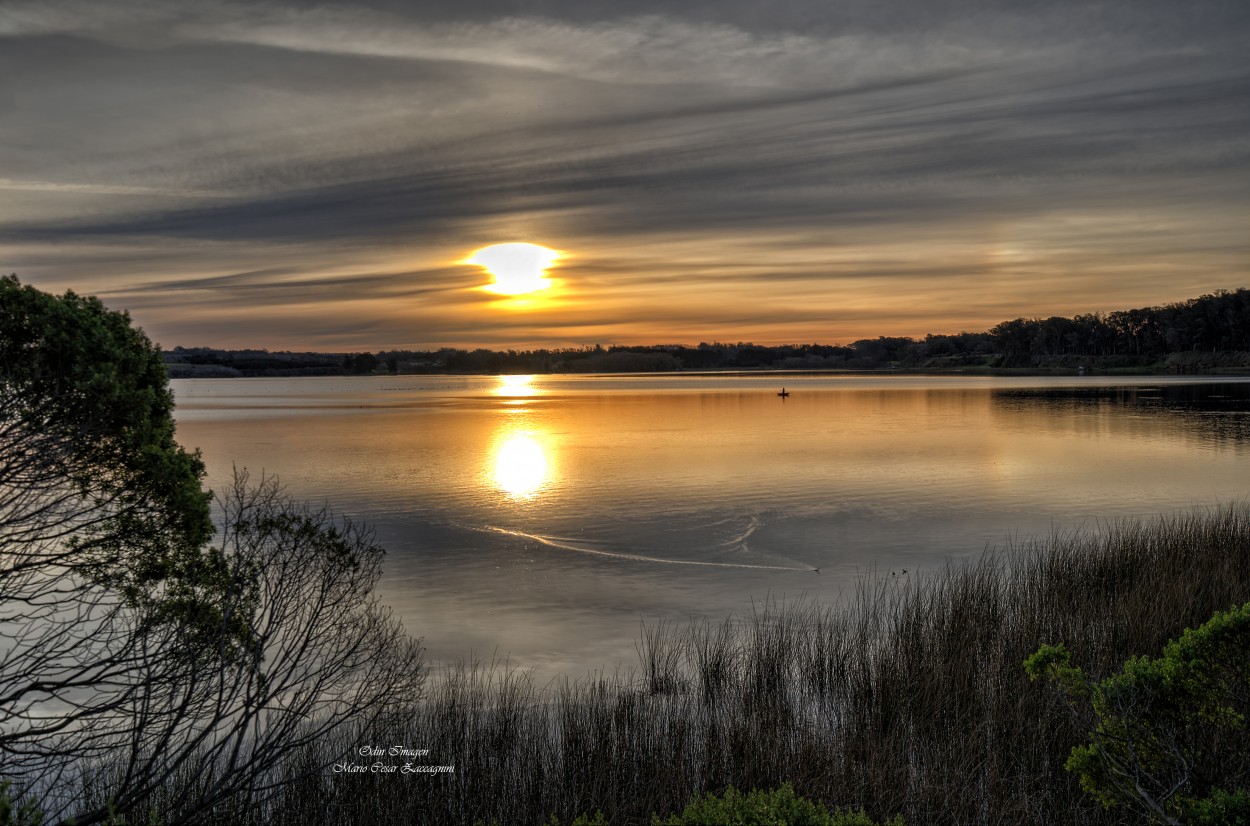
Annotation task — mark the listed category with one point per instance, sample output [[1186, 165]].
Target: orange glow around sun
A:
[[518, 269]]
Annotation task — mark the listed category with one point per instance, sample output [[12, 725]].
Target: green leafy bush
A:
[[20, 812], [1220, 809], [1167, 736], [779, 807], [584, 819]]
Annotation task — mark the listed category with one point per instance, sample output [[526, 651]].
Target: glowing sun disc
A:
[[518, 268]]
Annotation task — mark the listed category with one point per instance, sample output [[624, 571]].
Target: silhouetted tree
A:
[[135, 651]]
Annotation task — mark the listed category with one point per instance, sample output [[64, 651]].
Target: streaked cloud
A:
[[812, 173]]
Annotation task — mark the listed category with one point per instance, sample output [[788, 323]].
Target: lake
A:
[[541, 519]]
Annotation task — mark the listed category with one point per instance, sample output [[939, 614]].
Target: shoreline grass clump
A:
[[905, 699]]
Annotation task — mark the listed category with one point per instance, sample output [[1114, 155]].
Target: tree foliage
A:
[[87, 439], [210, 734], [1168, 735], [137, 654], [102, 514], [778, 807]]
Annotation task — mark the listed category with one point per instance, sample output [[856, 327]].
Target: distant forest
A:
[[1206, 334]]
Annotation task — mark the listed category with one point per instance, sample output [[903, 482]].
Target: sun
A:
[[518, 268]]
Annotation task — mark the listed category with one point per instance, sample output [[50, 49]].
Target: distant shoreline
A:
[[1095, 372], [1209, 335]]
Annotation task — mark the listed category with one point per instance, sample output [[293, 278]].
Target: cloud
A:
[[181, 157], [643, 48]]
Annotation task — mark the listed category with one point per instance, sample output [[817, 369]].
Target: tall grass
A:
[[908, 698]]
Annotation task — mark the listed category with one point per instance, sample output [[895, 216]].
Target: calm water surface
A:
[[542, 518]]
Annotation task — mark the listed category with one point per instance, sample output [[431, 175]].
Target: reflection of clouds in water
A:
[[521, 466]]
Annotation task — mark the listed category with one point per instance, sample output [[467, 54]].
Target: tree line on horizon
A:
[[1209, 332]]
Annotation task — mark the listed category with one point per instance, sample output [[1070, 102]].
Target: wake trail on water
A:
[[741, 539], [566, 545]]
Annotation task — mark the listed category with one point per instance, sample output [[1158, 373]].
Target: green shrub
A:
[[1168, 735], [584, 819], [19, 813], [1220, 809], [780, 807], [587, 820]]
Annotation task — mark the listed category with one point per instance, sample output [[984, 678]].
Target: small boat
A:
[[783, 393]]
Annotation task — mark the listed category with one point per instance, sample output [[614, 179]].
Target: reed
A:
[[909, 697]]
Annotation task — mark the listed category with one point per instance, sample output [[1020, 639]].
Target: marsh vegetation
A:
[[910, 698]]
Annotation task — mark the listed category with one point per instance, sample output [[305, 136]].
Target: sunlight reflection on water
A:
[[540, 516], [521, 467]]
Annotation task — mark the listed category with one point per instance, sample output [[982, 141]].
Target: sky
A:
[[301, 176]]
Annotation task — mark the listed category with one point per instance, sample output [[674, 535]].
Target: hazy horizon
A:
[[725, 341]]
